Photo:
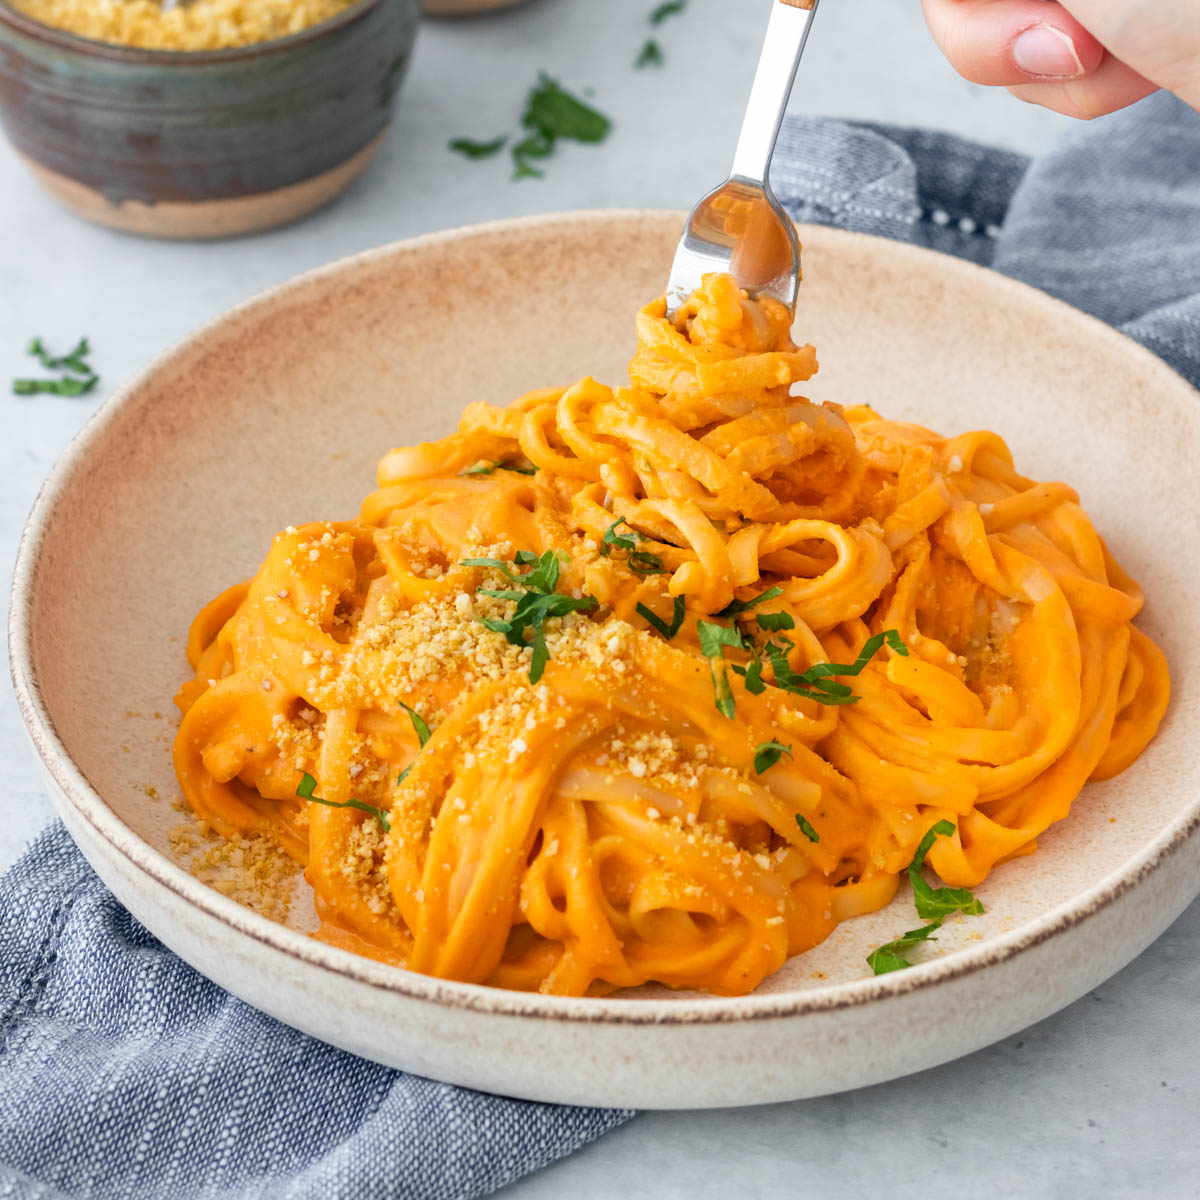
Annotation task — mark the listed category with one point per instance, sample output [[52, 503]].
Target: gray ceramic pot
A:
[[205, 144]]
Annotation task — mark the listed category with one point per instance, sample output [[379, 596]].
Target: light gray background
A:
[[1103, 1099]]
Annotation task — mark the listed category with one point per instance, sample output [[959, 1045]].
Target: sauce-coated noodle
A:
[[605, 825]]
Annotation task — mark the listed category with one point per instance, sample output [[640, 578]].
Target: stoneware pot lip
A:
[[84, 47], [141, 859]]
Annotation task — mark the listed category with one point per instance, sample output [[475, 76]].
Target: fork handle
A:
[[786, 34]]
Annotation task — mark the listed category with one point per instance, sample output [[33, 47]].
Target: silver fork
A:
[[740, 227]]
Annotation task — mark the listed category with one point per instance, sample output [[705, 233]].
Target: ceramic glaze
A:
[[209, 143]]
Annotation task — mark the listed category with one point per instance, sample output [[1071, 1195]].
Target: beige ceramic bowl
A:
[[277, 413]]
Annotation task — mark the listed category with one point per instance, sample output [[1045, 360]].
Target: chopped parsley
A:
[[473, 149], [641, 562], [817, 683], [490, 467], [77, 379], [305, 792], [722, 692], [418, 723], [677, 615], [740, 606], [651, 55], [713, 639], [774, 622], [891, 956], [768, 754], [932, 904], [670, 9], [553, 114], [536, 602], [806, 829]]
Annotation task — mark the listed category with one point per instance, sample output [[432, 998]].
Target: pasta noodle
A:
[[544, 715]]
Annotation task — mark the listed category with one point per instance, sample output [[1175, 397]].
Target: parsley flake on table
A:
[[670, 9], [473, 149], [553, 114], [78, 378], [651, 55]]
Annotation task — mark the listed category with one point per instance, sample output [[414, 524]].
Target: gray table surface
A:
[[1103, 1098]]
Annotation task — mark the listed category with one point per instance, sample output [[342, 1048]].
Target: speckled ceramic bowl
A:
[[205, 144], [153, 509], [465, 8]]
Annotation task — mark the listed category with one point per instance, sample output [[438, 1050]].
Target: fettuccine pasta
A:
[[545, 715]]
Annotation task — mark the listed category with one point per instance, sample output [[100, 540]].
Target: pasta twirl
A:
[[562, 662]]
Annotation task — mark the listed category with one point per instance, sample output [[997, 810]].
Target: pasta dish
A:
[[662, 682]]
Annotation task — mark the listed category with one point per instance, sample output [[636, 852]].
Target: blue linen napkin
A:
[[1109, 221], [123, 1073]]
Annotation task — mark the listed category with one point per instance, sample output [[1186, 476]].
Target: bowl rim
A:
[[87, 804], [64, 39]]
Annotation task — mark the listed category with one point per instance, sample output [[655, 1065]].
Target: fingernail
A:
[[1046, 51]]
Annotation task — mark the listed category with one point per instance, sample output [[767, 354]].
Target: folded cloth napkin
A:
[[123, 1073], [1109, 221]]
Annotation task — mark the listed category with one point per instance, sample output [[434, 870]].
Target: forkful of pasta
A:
[[740, 227]]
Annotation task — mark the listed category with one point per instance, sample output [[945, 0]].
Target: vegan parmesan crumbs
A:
[[250, 870], [199, 25]]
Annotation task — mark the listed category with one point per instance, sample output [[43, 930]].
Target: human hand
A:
[[1083, 58]]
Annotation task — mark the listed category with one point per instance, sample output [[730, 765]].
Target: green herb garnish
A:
[[641, 562], [67, 362], [722, 693], [67, 386], [418, 723], [932, 904], [806, 829], [552, 113], [489, 467], [768, 754], [535, 604], [740, 606], [774, 622], [78, 381], [651, 55], [474, 149], [669, 9], [404, 774], [713, 639], [668, 631], [935, 903], [817, 682], [890, 957], [305, 792]]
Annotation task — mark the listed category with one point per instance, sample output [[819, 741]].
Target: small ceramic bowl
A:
[[463, 8], [203, 144]]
